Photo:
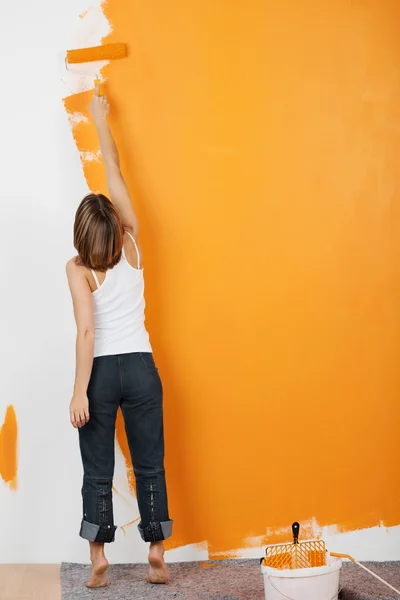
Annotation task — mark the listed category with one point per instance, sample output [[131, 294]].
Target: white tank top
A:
[[119, 310]]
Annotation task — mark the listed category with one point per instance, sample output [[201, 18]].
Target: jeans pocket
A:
[[148, 361]]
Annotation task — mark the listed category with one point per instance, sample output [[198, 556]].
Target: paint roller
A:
[[95, 54]]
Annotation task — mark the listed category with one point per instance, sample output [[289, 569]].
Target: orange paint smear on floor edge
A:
[[8, 448], [260, 144]]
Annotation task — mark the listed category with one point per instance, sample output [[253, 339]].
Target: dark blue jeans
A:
[[130, 381]]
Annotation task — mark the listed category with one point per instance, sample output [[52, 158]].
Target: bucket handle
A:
[[289, 598]]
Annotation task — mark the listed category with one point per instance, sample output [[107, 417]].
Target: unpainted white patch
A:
[[91, 29], [77, 117], [91, 156], [93, 26]]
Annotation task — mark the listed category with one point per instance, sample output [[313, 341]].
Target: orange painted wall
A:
[[261, 143]]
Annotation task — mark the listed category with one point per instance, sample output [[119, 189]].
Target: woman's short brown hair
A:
[[98, 233]]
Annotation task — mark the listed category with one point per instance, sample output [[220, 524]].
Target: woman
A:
[[115, 366]]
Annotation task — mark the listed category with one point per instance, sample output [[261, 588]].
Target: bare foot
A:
[[99, 576], [158, 572]]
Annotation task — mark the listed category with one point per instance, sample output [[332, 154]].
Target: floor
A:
[[43, 582], [222, 580], [238, 579], [30, 582]]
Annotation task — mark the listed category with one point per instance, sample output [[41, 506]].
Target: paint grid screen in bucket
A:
[[296, 555]]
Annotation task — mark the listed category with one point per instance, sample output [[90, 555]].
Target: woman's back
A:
[[119, 306]]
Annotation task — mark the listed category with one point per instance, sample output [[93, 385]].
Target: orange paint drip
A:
[[8, 448], [124, 527], [120, 495], [123, 444], [279, 335]]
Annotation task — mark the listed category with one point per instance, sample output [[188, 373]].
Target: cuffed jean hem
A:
[[97, 533], [156, 531]]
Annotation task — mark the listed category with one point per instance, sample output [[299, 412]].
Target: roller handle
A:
[[296, 532], [338, 555], [100, 89]]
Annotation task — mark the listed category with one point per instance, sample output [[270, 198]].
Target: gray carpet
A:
[[224, 580]]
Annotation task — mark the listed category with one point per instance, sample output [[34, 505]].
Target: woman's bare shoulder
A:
[[73, 268]]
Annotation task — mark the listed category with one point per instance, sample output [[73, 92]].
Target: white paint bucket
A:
[[316, 583]]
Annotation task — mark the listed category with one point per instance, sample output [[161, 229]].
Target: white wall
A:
[[41, 185]]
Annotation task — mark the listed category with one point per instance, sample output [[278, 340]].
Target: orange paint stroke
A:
[[120, 495], [292, 179], [8, 448], [123, 527], [123, 444]]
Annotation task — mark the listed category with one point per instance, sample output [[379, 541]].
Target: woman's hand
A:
[[99, 107], [79, 410]]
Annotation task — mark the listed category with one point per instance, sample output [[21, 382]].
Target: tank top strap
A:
[[95, 278], [137, 249]]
